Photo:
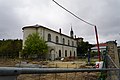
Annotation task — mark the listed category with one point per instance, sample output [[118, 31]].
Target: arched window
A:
[[57, 39], [49, 37], [59, 53], [68, 42], [70, 53], [63, 41], [65, 53]]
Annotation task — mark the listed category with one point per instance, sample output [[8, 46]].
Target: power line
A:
[[86, 23], [73, 14]]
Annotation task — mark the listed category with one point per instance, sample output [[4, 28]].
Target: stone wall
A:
[[113, 52]]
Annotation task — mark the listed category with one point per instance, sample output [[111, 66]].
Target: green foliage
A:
[[35, 46], [93, 53], [10, 48], [83, 48]]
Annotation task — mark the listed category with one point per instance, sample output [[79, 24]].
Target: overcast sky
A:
[[14, 14]]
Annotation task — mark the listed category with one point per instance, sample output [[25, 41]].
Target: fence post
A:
[[66, 73], [56, 73]]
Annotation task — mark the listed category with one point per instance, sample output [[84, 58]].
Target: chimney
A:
[[75, 36], [60, 30]]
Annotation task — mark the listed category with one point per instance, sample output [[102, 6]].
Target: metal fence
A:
[[12, 73], [110, 71]]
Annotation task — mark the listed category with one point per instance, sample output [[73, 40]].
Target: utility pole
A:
[[98, 48]]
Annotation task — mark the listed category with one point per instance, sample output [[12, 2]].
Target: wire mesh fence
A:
[[88, 75], [110, 71], [61, 76]]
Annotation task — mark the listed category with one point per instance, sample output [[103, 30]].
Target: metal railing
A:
[[110, 71], [8, 72]]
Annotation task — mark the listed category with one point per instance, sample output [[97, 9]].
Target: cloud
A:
[[14, 14]]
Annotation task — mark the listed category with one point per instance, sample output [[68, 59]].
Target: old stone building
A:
[[60, 45]]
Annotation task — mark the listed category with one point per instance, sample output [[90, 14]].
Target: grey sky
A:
[[14, 14]]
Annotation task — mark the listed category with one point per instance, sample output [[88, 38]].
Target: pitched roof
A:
[[39, 26]]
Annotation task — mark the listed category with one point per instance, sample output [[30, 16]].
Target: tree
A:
[[10, 48], [83, 47], [35, 47], [94, 53]]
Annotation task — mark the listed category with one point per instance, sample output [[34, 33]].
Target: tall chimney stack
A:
[[60, 30]]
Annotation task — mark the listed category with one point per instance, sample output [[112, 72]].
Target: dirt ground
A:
[[55, 76], [8, 62]]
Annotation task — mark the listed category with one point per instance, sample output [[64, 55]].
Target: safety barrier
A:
[[11, 73]]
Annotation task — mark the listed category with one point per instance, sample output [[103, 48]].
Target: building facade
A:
[[60, 45]]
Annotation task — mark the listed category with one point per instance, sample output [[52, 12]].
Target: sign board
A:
[[99, 65]]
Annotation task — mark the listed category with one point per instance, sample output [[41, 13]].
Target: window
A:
[[59, 53], [68, 42], [65, 53], [49, 37], [70, 53], [63, 41], [57, 39]]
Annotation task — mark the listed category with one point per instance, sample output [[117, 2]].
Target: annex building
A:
[[60, 45]]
